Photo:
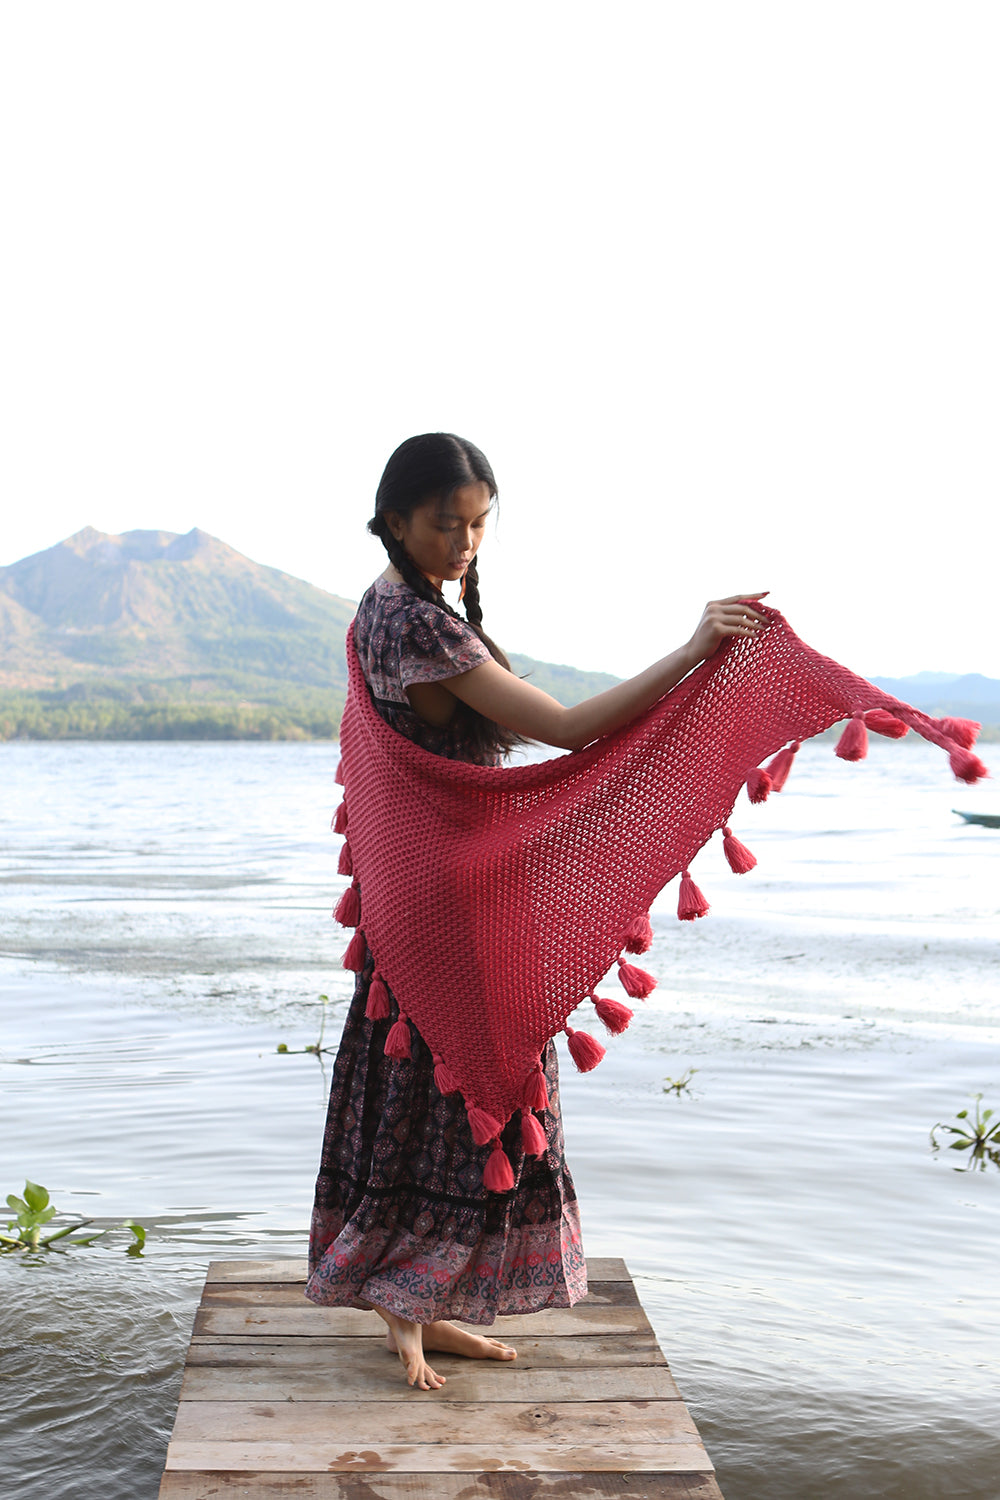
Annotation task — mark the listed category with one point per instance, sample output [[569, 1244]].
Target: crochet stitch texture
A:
[[495, 900]]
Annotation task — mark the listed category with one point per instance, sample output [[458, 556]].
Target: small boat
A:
[[985, 820]]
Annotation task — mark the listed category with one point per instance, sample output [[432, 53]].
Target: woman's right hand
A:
[[724, 618]]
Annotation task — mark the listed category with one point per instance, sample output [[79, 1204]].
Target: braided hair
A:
[[432, 467]]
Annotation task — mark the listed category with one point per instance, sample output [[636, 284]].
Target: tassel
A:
[[758, 784], [853, 743], [585, 1051], [354, 958], [338, 777], [339, 824], [779, 767], [348, 909], [886, 723], [533, 1140], [741, 861], [639, 935], [690, 902], [613, 1013], [635, 982], [964, 732], [444, 1079], [966, 766], [484, 1127], [377, 1004], [345, 864], [536, 1095], [397, 1043], [498, 1176]]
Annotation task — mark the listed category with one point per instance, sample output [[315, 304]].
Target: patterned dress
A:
[[401, 1217]]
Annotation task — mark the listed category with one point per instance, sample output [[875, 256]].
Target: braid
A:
[[473, 608]]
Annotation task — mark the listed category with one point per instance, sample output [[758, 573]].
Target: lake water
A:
[[823, 1285]]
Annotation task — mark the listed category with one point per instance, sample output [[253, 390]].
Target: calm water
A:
[[824, 1287]]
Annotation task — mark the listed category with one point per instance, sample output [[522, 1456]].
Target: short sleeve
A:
[[435, 646]]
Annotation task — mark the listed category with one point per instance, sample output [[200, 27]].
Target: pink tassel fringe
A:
[[444, 1079], [345, 864], [964, 732], [532, 1135], [498, 1176], [690, 901], [758, 784], [885, 723], [635, 982], [853, 743], [397, 1043], [339, 824], [348, 909], [779, 767], [966, 766], [536, 1095], [354, 958], [613, 1013], [741, 861], [377, 1004], [639, 936], [585, 1051], [484, 1127]]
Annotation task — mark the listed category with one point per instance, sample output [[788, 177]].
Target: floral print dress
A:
[[401, 1218]]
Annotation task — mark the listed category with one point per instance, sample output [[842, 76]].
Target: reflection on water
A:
[[821, 1283]]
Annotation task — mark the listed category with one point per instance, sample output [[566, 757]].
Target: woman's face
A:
[[443, 536]]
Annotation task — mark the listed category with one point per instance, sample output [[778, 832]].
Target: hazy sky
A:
[[714, 285]]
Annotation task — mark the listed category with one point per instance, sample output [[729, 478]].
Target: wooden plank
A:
[[282, 1398], [580, 1352], [322, 1457], [600, 1268], [306, 1320], [573, 1485], [468, 1380], [371, 1423]]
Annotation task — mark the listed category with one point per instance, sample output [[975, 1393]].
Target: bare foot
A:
[[448, 1339], [406, 1340]]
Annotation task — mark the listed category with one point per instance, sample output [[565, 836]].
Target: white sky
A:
[[714, 286]]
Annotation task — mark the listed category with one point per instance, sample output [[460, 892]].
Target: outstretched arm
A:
[[525, 709]]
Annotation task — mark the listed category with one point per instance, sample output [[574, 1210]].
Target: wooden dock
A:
[[281, 1398]]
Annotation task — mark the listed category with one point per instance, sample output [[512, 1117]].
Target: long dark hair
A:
[[433, 466]]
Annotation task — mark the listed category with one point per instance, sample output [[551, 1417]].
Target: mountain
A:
[[971, 696], [150, 634], [154, 605]]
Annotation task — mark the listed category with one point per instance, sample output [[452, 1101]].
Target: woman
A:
[[402, 1222]]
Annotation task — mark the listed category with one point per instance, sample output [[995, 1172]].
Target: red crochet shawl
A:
[[495, 900]]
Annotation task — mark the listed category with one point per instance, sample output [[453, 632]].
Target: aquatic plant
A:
[[34, 1212], [975, 1135], [678, 1085], [315, 1047]]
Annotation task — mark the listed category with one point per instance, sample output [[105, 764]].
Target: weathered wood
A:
[[370, 1423], [423, 1458], [600, 1268], [284, 1398], [178, 1485], [468, 1380], [292, 1352], [263, 1319]]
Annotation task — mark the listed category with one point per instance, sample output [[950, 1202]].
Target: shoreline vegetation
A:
[[254, 709], [295, 715]]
